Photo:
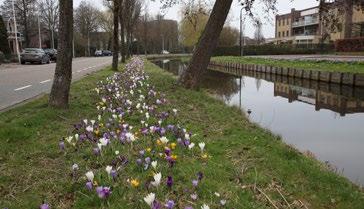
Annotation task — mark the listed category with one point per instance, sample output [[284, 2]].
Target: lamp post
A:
[[242, 39], [16, 33]]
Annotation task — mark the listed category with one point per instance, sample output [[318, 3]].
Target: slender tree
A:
[[115, 57], [122, 30], [4, 45], [59, 96], [49, 16]]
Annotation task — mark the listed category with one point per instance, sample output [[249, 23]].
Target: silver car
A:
[[34, 55]]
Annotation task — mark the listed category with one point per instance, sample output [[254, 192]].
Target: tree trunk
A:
[[122, 29], [115, 43], [348, 18], [59, 96], [206, 45]]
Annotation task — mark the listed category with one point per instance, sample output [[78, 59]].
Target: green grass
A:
[[245, 159], [353, 67]]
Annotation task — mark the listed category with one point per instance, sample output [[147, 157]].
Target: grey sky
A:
[[283, 6]]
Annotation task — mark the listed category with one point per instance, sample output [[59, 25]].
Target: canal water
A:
[[325, 119]]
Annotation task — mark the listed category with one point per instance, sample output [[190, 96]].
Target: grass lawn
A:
[[248, 165], [354, 67]]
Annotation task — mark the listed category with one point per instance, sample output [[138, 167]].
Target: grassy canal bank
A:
[[329, 66], [248, 166]]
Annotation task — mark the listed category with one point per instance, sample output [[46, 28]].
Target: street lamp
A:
[[16, 33], [242, 39]]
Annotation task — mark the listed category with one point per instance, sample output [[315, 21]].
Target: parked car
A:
[[165, 52], [34, 55], [106, 53], [98, 53], [52, 53]]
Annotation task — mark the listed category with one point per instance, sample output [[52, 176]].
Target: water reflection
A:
[[326, 119]]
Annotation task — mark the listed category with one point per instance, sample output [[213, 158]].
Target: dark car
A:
[[34, 55], [52, 53], [106, 53]]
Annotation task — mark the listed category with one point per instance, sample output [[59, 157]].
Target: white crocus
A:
[[75, 167], [205, 206], [85, 121], [92, 122], [76, 136], [99, 145], [149, 199], [89, 129], [164, 140], [130, 136], [103, 141], [191, 145], [202, 146], [117, 152], [154, 164], [187, 136], [90, 175], [174, 111], [108, 169], [157, 179], [69, 139], [99, 117]]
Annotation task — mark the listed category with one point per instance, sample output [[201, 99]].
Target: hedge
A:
[[272, 49], [350, 45]]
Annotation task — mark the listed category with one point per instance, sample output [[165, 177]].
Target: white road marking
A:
[[45, 81], [21, 88]]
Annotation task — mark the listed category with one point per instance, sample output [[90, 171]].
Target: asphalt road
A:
[[21, 82]]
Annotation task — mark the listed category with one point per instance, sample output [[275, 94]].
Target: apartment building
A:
[[305, 27]]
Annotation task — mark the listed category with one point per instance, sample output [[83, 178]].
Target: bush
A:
[[272, 49], [350, 45]]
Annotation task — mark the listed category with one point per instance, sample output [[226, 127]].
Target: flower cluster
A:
[[135, 147]]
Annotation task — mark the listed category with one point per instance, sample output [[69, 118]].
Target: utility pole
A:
[[16, 33], [39, 35], [242, 39]]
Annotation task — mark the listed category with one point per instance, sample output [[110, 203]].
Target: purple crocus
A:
[[96, 151], [147, 160], [139, 161], [44, 206], [89, 185], [113, 174], [169, 181], [103, 192], [188, 207], [61, 145], [170, 204], [195, 183], [156, 205]]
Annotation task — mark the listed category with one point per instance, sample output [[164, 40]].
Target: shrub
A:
[[272, 49], [350, 45]]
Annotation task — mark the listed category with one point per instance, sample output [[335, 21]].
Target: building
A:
[[9, 23], [305, 26]]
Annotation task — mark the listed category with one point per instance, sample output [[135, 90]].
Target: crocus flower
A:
[[90, 176], [164, 140], [156, 205], [44, 206], [195, 183], [89, 185], [194, 196], [96, 151], [75, 167], [169, 181], [113, 174], [154, 164], [170, 204], [149, 199], [204, 206], [103, 192], [202, 146], [191, 145], [157, 179], [139, 161], [188, 207], [108, 169], [61, 145]]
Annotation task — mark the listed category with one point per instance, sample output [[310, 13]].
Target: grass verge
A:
[[352, 67], [248, 165]]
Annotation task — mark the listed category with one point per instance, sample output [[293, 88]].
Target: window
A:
[[279, 34], [288, 21], [287, 33], [284, 21], [283, 33], [279, 22]]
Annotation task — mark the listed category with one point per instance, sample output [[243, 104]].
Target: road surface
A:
[[21, 82]]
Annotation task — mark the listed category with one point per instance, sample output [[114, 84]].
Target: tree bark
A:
[[122, 29], [115, 55], [348, 23], [59, 96], [206, 45]]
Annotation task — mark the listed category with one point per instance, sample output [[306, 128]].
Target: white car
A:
[[165, 52], [98, 53]]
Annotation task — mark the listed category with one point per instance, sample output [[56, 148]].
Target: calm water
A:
[[325, 119]]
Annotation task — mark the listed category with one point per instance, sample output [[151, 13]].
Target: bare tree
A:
[[122, 30], [115, 57], [87, 20], [131, 11], [25, 10], [49, 16], [59, 96], [258, 34]]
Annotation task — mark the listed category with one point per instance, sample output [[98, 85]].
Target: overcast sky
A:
[[283, 6]]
